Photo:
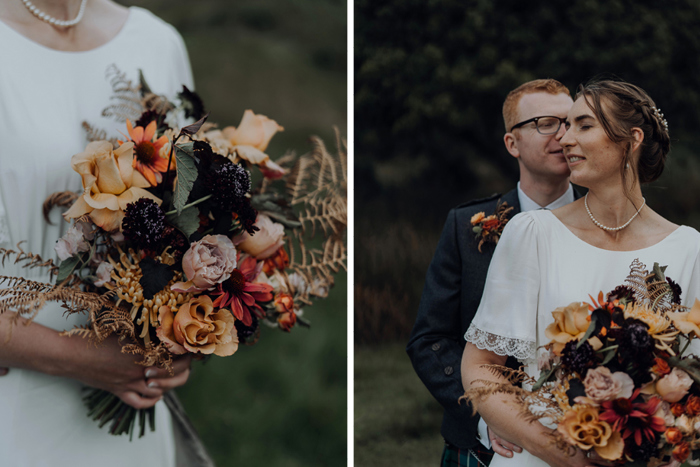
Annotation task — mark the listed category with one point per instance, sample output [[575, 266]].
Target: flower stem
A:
[[193, 203]]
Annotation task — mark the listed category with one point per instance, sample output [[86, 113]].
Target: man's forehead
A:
[[538, 104]]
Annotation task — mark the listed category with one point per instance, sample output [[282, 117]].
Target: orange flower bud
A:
[[490, 224], [677, 409], [287, 320], [280, 260], [681, 452], [661, 366], [674, 436], [692, 407]]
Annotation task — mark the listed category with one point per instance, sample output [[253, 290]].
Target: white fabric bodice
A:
[[540, 265], [45, 95]]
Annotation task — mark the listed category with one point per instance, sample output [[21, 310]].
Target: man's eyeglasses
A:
[[545, 125]]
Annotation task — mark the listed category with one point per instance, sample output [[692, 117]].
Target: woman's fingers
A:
[[138, 401], [170, 383], [180, 364]]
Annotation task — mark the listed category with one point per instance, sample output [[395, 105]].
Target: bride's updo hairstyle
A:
[[621, 106]]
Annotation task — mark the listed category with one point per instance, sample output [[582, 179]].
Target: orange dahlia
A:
[[150, 154]]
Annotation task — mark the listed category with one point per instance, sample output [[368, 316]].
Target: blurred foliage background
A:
[[282, 402], [430, 80]]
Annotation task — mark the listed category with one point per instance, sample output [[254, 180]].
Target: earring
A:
[[628, 165]]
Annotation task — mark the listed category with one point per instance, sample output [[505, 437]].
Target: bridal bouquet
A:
[[616, 378], [184, 240]]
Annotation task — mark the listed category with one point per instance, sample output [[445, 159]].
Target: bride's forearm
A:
[[36, 347], [501, 412]]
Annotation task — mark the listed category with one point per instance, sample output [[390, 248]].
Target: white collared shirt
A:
[[527, 204]]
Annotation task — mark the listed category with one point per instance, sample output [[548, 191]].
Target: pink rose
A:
[[265, 242], [71, 243], [674, 386], [602, 385], [207, 263], [103, 273]]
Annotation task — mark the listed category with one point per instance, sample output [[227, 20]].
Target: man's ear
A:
[[511, 145]]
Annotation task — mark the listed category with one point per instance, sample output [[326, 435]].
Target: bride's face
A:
[[593, 158]]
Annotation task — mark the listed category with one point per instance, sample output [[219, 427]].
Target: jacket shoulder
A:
[[476, 204]]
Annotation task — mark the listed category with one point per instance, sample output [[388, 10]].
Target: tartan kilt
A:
[[455, 457]]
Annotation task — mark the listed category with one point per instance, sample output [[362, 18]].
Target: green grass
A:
[[281, 402], [397, 421]]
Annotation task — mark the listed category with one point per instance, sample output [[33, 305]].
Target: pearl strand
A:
[[611, 229], [55, 21]]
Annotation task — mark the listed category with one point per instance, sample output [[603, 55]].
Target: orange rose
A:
[[570, 322], [673, 435], [681, 452], [197, 328], [109, 184], [490, 222], [478, 217]]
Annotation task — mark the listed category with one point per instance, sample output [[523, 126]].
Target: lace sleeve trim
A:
[[523, 350]]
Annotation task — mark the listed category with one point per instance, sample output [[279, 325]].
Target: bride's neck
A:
[[611, 206]]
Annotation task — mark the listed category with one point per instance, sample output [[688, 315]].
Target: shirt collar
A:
[[527, 204]]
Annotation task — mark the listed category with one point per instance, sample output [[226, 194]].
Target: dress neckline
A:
[[579, 239], [65, 53]]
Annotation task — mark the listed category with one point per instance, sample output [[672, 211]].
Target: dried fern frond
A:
[[317, 185], [153, 355], [62, 199], [125, 93], [27, 259], [92, 133]]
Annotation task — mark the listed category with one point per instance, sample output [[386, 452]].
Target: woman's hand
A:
[[502, 447], [160, 378]]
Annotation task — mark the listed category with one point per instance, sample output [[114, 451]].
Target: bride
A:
[[52, 78], [616, 139]]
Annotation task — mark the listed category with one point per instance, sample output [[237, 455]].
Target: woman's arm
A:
[[502, 412], [36, 347]]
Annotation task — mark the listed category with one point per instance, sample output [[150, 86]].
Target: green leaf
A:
[[589, 331], [155, 277], [476, 229], [186, 174], [544, 377], [609, 356], [66, 268], [187, 222], [303, 322], [145, 88]]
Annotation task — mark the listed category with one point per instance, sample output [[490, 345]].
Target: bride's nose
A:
[[564, 137]]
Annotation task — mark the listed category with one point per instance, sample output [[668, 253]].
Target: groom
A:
[[455, 279]]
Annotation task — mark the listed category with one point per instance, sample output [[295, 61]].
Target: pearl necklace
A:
[[55, 21], [611, 229]]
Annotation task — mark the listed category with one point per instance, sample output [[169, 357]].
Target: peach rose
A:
[[208, 262], [692, 406], [581, 427], [674, 386], [198, 329], [266, 241], [602, 385], [250, 140], [687, 322], [570, 322], [673, 435], [109, 184]]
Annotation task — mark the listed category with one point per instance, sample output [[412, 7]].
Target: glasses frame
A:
[[536, 120]]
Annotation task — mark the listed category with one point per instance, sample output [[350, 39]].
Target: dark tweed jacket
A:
[[451, 295], [453, 288]]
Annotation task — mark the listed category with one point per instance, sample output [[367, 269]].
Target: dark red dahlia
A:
[[143, 223], [634, 418]]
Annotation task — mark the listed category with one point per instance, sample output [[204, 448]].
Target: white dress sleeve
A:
[[506, 321]]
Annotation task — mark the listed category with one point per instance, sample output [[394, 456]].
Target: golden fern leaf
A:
[[58, 199], [84, 331], [29, 259], [92, 133]]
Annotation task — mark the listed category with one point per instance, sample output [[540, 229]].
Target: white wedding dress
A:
[[540, 265], [45, 95]]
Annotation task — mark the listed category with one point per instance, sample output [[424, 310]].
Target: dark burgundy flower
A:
[[144, 223]]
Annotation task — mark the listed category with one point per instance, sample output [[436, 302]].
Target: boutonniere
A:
[[488, 229]]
